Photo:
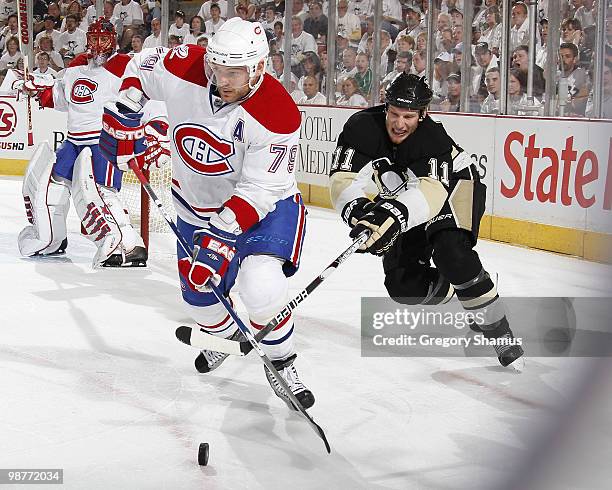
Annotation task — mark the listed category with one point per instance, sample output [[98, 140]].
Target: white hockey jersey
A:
[[82, 93], [240, 155]]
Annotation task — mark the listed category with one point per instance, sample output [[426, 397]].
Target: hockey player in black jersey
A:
[[398, 142]]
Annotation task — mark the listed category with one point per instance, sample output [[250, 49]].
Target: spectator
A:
[[457, 35], [316, 23], [457, 53], [137, 43], [421, 41], [362, 9], [47, 45], [74, 8], [392, 13], [348, 22], [348, 68], [73, 40], [541, 54], [49, 31], [419, 62], [323, 75], [269, 19], [443, 24], [206, 9], [10, 30], [195, 26], [351, 93], [485, 60], [571, 31], [586, 14], [39, 11], [516, 95], [363, 77], [12, 55], [299, 10], [55, 11], [575, 78], [295, 93], [179, 28], [402, 63], [479, 18], [249, 8], [606, 103], [301, 41], [311, 66], [131, 17], [154, 39], [202, 40], [413, 23], [312, 95], [342, 42], [456, 17], [520, 60], [279, 7], [491, 104], [173, 41], [109, 15], [442, 68], [491, 33], [519, 33], [7, 7], [212, 25], [42, 62], [279, 35], [452, 100], [404, 42], [362, 47], [278, 65]]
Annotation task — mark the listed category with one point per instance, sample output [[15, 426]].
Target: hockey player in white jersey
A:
[[234, 133], [78, 167]]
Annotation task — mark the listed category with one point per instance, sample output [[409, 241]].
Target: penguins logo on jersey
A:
[[202, 150], [82, 91]]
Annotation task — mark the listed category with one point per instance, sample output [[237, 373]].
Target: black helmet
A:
[[409, 92]]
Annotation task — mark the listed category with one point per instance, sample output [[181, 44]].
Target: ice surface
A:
[[92, 379]]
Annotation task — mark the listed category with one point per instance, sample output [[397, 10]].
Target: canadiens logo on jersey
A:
[[202, 150], [83, 90]]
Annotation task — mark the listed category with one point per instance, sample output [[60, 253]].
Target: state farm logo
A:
[[202, 150], [8, 119], [83, 90]]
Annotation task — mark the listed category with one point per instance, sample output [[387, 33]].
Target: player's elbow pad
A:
[[423, 201]]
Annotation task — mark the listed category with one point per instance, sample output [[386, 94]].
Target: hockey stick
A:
[[223, 300], [202, 340], [23, 28]]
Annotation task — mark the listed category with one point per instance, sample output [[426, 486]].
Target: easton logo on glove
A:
[[125, 134], [219, 247]]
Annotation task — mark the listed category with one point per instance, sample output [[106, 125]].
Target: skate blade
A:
[[518, 365]]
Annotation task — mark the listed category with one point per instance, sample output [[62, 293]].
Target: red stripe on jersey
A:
[[79, 60], [246, 215], [189, 66], [280, 325], [81, 133], [116, 64], [300, 236], [130, 82], [176, 183], [217, 325], [285, 118]]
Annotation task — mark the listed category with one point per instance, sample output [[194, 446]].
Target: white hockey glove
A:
[[158, 153], [36, 85]]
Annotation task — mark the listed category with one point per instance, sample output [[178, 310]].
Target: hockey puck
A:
[[203, 454]]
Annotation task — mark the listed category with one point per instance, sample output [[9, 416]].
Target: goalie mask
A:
[[101, 41]]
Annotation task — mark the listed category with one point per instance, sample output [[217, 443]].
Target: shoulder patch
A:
[[187, 62], [79, 60], [116, 65], [273, 108]]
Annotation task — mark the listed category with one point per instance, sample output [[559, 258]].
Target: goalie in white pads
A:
[[235, 133], [78, 167]]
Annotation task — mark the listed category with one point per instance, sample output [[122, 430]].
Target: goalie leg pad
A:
[[95, 214], [47, 202], [264, 290]]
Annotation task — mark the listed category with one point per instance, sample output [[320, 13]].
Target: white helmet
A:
[[238, 43]]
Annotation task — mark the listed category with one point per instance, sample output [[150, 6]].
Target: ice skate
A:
[[288, 372], [209, 360]]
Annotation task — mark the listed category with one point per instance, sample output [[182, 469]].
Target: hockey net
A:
[[138, 204]]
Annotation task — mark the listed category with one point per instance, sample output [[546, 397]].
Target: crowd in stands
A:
[[60, 28]]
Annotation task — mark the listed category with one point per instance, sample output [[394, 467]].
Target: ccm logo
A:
[[120, 134]]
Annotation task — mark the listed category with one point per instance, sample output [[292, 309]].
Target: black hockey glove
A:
[[355, 210], [386, 219]]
